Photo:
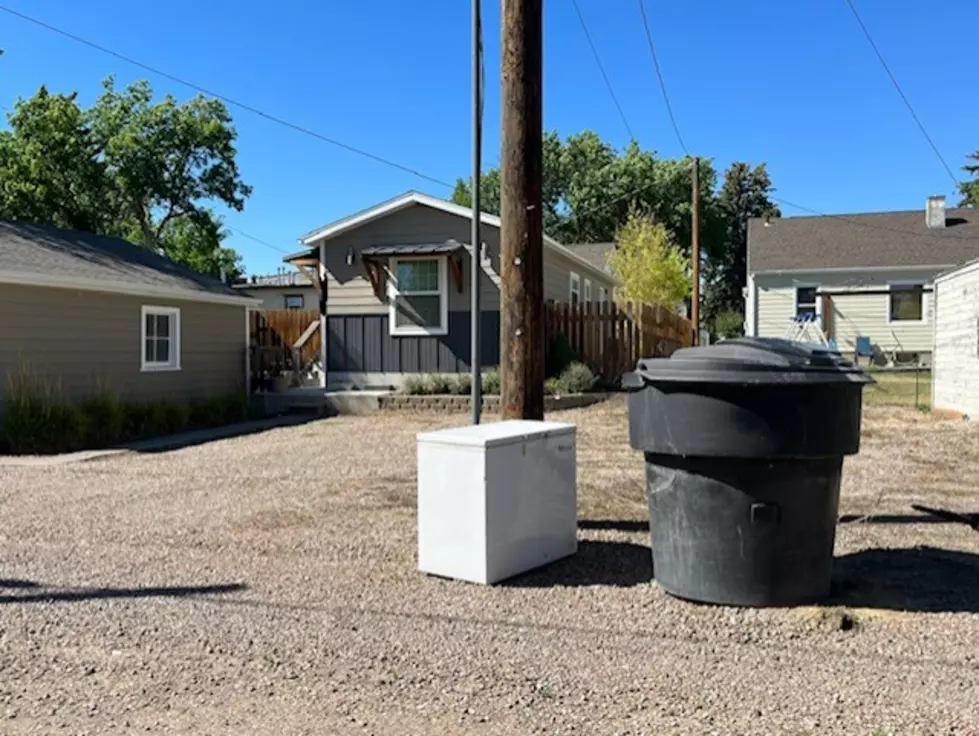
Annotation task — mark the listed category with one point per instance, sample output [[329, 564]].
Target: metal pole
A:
[[695, 253], [521, 247], [475, 358]]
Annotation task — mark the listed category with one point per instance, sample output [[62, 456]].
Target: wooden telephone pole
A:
[[521, 244], [695, 253]]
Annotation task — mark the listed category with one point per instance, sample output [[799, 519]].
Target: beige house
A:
[[286, 290], [82, 312], [397, 281], [865, 276]]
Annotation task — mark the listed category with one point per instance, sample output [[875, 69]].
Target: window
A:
[[295, 301], [907, 303], [603, 293], [574, 288], [160, 339], [418, 297], [805, 300], [587, 290]]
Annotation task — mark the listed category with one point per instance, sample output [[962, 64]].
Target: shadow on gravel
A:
[[621, 525], [621, 564], [918, 579], [17, 583], [213, 434], [87, 594], [905, 519]]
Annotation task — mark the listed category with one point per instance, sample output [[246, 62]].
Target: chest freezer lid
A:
[[496, 434]]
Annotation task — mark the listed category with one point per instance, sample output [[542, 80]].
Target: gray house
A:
[[289, 290], [862, 275], [82, 311], [396, 282]]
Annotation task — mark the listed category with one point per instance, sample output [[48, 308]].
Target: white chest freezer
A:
[[497, 499]]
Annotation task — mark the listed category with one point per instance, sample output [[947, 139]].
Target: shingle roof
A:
[[876, 240], [52, 252], [594, 253], [427, 249], [274, 280]]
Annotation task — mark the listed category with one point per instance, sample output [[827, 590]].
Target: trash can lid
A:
[[749, 360]]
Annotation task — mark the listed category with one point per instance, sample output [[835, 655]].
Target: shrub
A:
[[561, 355], [438, 384], [552, 386], [107, 418], [577, 378], [462, 384], [491, 382], [414, 385], [36, 420], [729, 324]]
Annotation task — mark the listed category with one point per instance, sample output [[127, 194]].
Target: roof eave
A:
[[25, 278]]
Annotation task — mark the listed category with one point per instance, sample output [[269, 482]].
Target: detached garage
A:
[[955, 367]]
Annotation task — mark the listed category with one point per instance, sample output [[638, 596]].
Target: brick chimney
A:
[[935, 211]]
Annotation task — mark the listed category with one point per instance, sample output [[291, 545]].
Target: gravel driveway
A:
[[267, 584]]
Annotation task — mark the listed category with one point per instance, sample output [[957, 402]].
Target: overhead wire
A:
[[904, 97], [228, 100], [601, 68], [659, 76]]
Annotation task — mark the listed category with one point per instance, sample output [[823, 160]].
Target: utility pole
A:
[[521, 244], [475, 357], [695, 252]]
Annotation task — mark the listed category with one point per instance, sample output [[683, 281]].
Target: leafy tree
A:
[[190, 240], [970, 189], [647, 262], [589, 188], [744, 194], [127, 167]]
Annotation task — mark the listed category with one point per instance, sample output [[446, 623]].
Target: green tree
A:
[[190, 240], [648, 264], [743, 195], [589, 188], [127, 167], [970, 189]]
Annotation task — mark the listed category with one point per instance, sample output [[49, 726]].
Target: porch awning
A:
[[424, 249]]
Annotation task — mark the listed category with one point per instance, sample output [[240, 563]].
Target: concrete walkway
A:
[[158, 444]]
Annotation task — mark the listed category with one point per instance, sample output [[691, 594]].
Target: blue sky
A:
[[793, 84]]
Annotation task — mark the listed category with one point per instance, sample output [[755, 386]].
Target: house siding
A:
[[350, 292], [955, 363], [275, 297], [363, 344], [854, 314], [79, 341]]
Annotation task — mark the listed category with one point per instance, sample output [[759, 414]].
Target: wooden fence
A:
[[610, 339], [282, 341]]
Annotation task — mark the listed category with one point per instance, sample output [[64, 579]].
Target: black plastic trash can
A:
[[744, 444]]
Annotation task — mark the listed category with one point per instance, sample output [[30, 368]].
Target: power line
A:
[[907, 103], [659, 76], [267, 244], [228, 100], [601, 68]]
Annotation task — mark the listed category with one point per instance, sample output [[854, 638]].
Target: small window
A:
[[907, 303], [160, 339], [805, 300], [587, 290], [418, 297], [603, 293], [574, 288], [295, 301]]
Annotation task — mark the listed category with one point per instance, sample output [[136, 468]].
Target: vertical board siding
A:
[[363, 344]]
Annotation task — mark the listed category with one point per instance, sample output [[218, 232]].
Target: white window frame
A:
[[898, 285], [173, 364], [443, 294], [587, 290], [817, 306], [603, 293], [574, 287], [287, 297]]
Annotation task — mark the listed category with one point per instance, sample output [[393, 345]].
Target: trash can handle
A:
[[765, 513]]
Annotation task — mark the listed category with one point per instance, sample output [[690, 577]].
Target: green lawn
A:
[[898, 389]]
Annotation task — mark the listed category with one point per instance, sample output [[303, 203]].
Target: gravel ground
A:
[[267, 584]]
